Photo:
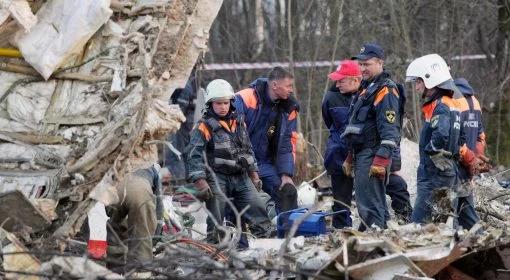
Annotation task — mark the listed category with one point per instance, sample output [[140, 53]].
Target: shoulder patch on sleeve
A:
[[434, 121], [292, 115], [390, 116]]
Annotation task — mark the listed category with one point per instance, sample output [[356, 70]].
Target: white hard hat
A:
[[218, 89], [306, 195], [432, 69]]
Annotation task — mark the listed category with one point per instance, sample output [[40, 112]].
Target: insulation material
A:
[[163, 117], [109, 113], [6, 124], [63, 29], [4, 15], [25, 114], [77, 267], [20, 11], [8, 79], [26, 153], [16, 153], [89, 103], [28, 104], [125, 106]]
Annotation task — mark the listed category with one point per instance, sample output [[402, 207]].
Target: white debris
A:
[[63, 29], [410, 161], [78, 267], [20, 11]]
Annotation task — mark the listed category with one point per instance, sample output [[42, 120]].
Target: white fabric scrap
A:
[[20, 11], [62, 30]]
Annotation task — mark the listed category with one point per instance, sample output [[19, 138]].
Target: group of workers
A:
[[364, 112], [248, 141], [245, 144]]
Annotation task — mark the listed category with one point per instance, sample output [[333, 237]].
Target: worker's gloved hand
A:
[[286, 179], [347, 165], [254, 176], [480, 148], [472, 163], [380, 167], [442, 160], [485, 165], [204, 191], [286, 197], [484, 158], [258, 185]]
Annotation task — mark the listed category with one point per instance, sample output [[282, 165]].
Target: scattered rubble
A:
[[84, 100]]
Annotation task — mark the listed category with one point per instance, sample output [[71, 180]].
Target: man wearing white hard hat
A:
[[222, 137], [440, 137]]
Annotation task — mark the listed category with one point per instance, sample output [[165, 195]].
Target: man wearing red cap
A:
[[335, 112]]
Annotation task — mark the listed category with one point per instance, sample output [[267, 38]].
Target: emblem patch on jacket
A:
[[434, 121], [390, 116]]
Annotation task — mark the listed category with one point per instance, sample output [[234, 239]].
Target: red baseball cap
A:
[[347, 68]]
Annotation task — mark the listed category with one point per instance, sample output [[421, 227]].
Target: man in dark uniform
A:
[[221, 140], [472, 153], [373, 133], [185, 98], [440, 136]]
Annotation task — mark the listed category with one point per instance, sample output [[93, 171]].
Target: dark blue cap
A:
[[370, 50], [464, 86]]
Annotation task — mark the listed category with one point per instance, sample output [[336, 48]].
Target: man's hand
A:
[[254, 176], [484, 165], [204, 191], [286, 180], [379, 167], [347, 165], [166, 176], [475, 164], [480, 148]]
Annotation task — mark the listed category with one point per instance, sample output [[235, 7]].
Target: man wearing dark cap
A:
[[373, 134]]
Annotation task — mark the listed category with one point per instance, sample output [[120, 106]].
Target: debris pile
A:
[[84, 90], [83, 101]]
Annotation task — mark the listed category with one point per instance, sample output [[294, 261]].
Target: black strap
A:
[[470, 103]]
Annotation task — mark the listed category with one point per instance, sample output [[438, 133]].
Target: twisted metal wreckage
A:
[[84, 99]]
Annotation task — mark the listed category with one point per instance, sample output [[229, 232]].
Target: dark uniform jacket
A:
[[226, 145], [375, 118], [272, 126], [441, 132], [335, 113]]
